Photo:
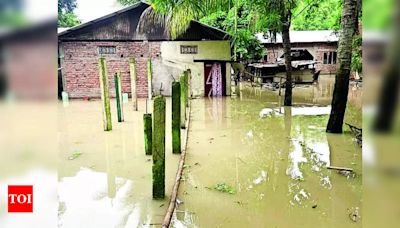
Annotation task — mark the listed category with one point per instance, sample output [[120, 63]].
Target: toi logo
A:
[[20, 198]]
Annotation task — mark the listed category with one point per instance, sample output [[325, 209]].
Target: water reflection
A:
[[279, 154]]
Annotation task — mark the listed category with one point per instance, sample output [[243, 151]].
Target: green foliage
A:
[[317, 15], [67, 20], [247, 45], [216, 19], [356, 58], [66, 6], [222, 187], [274, 14], [66, 16]]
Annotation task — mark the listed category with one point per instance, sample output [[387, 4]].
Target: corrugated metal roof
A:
[[322, 36]]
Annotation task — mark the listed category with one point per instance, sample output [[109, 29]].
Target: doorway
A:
[[214, 79]]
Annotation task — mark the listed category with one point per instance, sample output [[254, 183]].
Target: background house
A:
[[203, 49], [322, 45]]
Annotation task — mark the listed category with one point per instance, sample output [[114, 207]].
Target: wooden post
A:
[[147, 133], [176, 117], [149, 79], [118, 96], [105, 96], [183, 102], [159, 148], [132, 70]]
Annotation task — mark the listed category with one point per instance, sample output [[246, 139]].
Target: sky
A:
[[39, 10], [91, 9], [87, 10]]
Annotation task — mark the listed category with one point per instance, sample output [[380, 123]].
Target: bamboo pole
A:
[[105, 96], [172, 202], [132, 69], [176, 117], [340, 168], [118, 96], [159, 148]]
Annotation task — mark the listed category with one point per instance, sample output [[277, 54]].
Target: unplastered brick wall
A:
[[81, 70]]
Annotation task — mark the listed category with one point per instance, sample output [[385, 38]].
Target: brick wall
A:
[[81, 72], [317, 50]]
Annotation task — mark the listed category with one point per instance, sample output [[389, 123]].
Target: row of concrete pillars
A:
[[154, 124]]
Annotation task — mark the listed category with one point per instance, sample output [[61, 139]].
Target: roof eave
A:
[[101, 18]]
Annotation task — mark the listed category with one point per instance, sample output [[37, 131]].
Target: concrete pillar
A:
[[189, 82], [176, 117], [187, 89], [132, 70], [147, 133], [105, 96], [159, 148], [65, 98], [183, 102], [149, 79], [118, 96]]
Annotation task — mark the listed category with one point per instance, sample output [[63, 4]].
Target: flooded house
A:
[[117, 37], [321, 45], [312, 51]]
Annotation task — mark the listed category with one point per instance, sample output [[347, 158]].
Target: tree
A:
[[233, 16], [317, 15], [278, 18], [341, 89], [239, 24], [66, 15]]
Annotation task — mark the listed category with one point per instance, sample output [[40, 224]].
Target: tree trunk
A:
[[288, 63], [341, 88]]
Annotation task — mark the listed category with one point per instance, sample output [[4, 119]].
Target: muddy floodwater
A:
[[252, 163], [104, 178]]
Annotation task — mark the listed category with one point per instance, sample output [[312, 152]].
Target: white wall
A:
[[207, 50]]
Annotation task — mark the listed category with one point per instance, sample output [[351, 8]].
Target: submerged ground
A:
[[252, 163], [105, 177]]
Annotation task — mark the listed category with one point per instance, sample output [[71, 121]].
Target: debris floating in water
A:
[[222, 187], [354, 214], [75, 155], [250, 134], [261, 178]]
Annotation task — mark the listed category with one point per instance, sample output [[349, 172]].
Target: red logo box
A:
[[20, 198]]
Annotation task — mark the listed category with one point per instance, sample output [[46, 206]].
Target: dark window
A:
[[334, 57], [330, 57], [105, 50], [325, 58], [188, 49]]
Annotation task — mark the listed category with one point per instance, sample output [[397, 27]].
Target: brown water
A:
[[274, 159], [109, 184], [276, 180]]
